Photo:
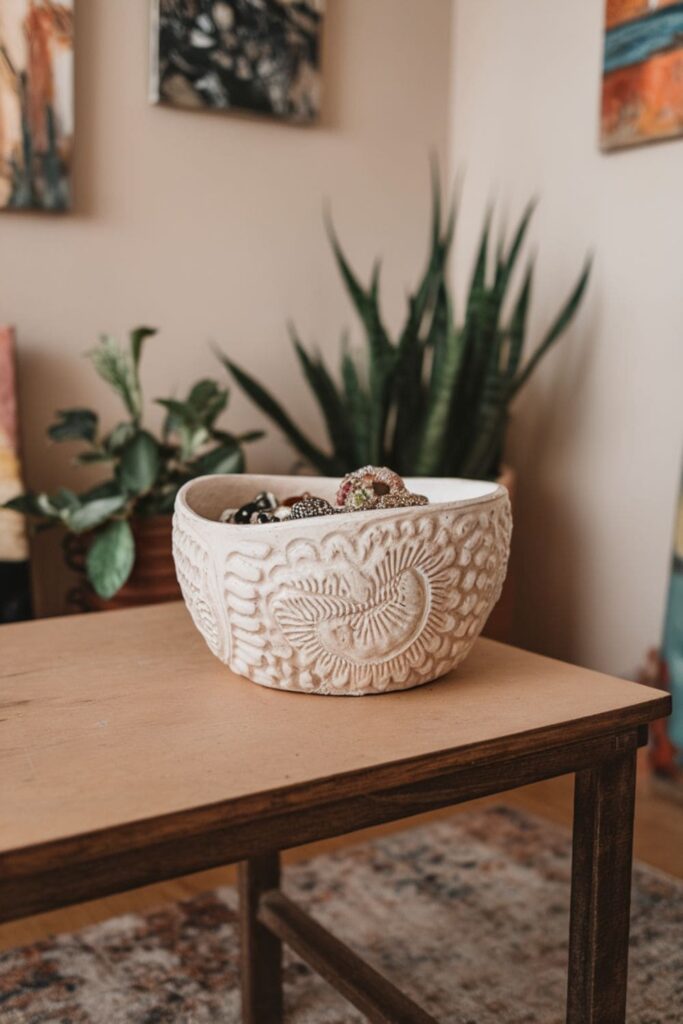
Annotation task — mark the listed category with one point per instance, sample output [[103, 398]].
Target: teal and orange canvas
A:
[[642, 83], [672, 646]]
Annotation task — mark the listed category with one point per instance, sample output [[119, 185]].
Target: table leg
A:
[[261, 951], [604, 799]]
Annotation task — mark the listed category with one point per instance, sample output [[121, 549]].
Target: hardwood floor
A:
[[658, 842]]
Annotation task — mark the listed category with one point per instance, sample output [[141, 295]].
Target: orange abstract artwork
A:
[[642, 86], [36, 104]]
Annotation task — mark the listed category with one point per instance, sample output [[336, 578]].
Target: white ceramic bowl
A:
[[347, 604]]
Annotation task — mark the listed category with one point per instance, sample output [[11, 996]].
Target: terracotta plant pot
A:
[[153, 579], [342, 604]]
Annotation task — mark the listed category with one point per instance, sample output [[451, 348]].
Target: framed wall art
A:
[[257, 57], [642, 83], [36, 104]]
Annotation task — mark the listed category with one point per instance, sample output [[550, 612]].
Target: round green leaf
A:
[[46, 507], [93, 513], [140, 464], [228, 458], [119, 437], [110, 559], [27, 505], [232, 462], [137, 339], [74, 425]]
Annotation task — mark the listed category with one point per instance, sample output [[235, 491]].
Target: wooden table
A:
[[128, 755]]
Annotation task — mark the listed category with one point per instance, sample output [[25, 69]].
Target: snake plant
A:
[[434, 401]]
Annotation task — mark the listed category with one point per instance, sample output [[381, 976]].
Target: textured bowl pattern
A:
[[351, 604]]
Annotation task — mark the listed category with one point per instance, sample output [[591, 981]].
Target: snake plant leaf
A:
[[490, 386], [140, 464], [272, 408], [516, 331], [110, 558], [489, 414], [373, 290], [246, 438], [359, 407], [447, 345], [489, 417], [332, 407], [437, 237], [410, 396], [437, 259], [483, 458], [559, 326], [137, 339], [485, 449], [476, 342], [435, 181], [505, 267], [506, 264], [478, 304], [478, 282], [365, 301], [74, 425], [409, 391], [381, 353], [382, 362], [489, 303]]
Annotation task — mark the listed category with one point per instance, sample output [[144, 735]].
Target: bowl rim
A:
[[498, 492]]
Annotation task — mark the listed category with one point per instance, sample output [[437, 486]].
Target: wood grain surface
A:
[[260, 949], [128, 754], [658, 841], [604, 803], [123, 717], [375, 996]]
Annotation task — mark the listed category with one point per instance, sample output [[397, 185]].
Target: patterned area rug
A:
[[469, 916]]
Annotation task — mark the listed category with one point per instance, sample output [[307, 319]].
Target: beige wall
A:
[[597, 438], [209, 227]]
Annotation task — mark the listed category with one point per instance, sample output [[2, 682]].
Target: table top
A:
[[122, 717]]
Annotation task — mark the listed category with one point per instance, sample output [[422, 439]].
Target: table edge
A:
[[18, 862]]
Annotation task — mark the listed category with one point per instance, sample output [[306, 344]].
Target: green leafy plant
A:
[[145, 471], [435, 401]]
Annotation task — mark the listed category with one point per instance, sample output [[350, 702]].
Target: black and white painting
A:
[[253, 56]]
